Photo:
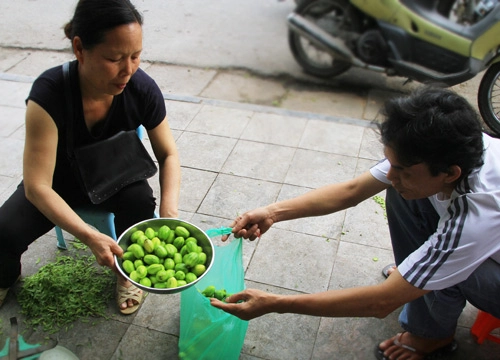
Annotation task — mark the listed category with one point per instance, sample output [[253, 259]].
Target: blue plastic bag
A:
[[207, 332]]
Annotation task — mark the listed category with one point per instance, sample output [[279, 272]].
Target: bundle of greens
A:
[[68, 289]]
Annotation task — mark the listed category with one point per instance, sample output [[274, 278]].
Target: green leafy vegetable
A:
[[68, 289]]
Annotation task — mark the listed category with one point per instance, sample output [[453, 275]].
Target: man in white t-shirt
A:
[[442, 178]]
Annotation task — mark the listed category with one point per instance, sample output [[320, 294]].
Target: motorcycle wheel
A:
[[332, 16], [488, 98]]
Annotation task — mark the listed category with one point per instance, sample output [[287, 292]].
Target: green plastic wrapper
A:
[[205, 331]]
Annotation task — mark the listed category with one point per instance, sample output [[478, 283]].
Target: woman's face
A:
[[107, 68]]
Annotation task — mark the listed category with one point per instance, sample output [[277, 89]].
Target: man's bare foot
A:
[[406, 346], [388, 270]]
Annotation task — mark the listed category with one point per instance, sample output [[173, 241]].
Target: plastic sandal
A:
[[124, 294]]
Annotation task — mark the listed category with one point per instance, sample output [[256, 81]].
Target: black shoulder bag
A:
[[105, 167]]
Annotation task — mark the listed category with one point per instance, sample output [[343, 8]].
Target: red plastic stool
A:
[[485, 323]]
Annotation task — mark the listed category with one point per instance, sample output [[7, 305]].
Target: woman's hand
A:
[[104, 248], [248, 304], [252, 224]]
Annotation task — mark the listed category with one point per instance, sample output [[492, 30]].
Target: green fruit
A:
[[182, 231], [155, 268], [190, 259], [181, 267], [180, 275], [136, 235], [163, 232], [171, 283], [151, 259], [181, 283], [220, 294], [153, 279], [128, 266], [150, 233], [209, 291], [137, 250], [148, 246], [128, 255], [177, 258], [134, 276], [190, 277], [161, 275], [170, 238], [156, 241], [198, 269], [161, 251], [145, 281], [184, 250], [141, 240], [193, 239], [202, 258], [160, 285], [191, 246], [171, 250], [142, 271], [179, 242], [138, 263], [169, 263]]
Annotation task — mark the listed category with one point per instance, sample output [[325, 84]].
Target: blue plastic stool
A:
[[101, 220]]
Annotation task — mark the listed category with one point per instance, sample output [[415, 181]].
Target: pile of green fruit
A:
[[167, 258], [211, 292]]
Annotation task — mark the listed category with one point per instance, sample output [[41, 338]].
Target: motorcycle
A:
[[441, 42]]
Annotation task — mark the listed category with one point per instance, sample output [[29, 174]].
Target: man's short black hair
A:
[[434, 126]]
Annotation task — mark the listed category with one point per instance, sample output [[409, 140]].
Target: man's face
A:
[[414, 182]]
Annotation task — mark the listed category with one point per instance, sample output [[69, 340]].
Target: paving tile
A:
[[314, 169], [275, 129], [336, 103], [204, 152], [38, 61], [327, 226], [14, 94], [366, 224], [259, 161], [242, 87], [141, 343], [215, 120], [180, 113], [195, 185], [331, 137], [280, 336], [292, 260], [232, 195], [11, 157], [160, 312], [11, 120], [371, 147], [173, 79], [10, 57]]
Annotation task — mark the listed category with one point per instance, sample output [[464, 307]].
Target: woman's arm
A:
[[166, 154], [39, 162]]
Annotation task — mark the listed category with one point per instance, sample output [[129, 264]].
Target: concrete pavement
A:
[[237, 155]]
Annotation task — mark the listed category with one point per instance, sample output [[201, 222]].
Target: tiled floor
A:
[[236, 157]]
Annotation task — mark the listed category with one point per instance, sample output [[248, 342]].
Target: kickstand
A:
[[16, 348]]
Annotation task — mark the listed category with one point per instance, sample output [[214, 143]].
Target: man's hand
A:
[[252, 224], [248, 304]]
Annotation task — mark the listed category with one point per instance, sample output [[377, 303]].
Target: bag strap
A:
[[69, 110]]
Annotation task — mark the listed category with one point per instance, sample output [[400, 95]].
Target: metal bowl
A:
[[203, 240]]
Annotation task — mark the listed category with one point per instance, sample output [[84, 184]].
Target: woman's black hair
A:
[[434, 126], [93, 18]]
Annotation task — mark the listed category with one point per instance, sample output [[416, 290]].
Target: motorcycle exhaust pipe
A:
[[322, 39]]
